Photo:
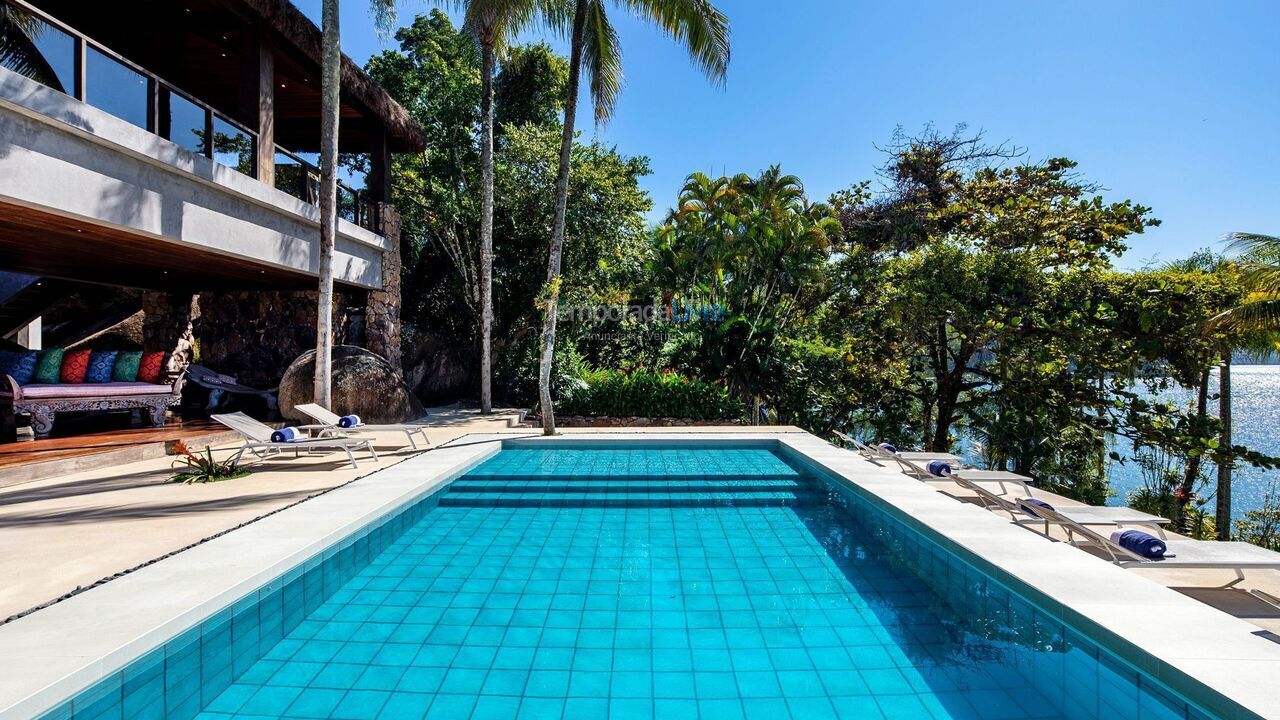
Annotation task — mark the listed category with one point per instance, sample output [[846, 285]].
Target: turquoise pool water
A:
[[652, 583]]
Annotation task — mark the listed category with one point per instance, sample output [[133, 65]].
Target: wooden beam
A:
[[379, 166], [258, 88]]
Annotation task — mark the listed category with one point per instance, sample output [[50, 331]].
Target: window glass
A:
[[115, 88]]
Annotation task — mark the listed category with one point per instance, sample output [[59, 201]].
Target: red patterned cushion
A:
[[151, 366], [75, 363]]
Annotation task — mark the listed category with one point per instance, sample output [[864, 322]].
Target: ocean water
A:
[[1256, 424], [675, 583]]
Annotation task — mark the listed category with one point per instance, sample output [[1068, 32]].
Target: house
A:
[[157, 163]]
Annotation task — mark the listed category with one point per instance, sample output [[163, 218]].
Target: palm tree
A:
[[492, 23], [18, 50], [1252, 325], [330, 90], [701, 28]]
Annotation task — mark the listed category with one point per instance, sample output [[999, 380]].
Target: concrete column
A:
[[29, 337]]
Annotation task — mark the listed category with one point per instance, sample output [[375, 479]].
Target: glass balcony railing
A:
[[36, 45]]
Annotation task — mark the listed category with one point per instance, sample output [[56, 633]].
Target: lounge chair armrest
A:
[[11, 387]]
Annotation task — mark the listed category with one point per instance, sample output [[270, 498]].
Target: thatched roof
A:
[[303, 34]]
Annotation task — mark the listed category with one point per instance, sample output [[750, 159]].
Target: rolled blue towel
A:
[[888, 448], [939, 468], [1034, 503], [1140, 543], [349, 421], [286, 434]]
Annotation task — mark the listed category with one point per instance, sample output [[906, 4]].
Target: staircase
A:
[[24, 298]]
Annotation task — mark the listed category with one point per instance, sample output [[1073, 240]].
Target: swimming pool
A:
[[605, 581]]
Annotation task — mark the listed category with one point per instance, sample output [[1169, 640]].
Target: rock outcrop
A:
[[364, 384]]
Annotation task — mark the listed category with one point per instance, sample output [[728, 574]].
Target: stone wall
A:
[[382, 310], [254, 335]]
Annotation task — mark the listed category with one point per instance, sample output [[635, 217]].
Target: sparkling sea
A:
[[1256, 424]]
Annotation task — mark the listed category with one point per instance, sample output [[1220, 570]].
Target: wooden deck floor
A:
[[49, 457]]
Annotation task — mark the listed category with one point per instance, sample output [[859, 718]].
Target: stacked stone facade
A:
[[255, 334]]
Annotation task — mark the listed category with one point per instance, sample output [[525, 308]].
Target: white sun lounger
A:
[[330, 420], [914, 463], [1070, 517], [1201, 554], [257, 440]]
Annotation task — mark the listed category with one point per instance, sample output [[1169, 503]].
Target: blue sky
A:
[[1172, 103]]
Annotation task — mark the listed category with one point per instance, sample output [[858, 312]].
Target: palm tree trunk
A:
[[1222, 519], [486, 229], [552, 299], [330, 85]]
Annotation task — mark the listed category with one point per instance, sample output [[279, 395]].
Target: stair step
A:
[[595, 486], [652, 500]]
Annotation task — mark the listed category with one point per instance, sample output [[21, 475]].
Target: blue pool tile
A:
[[624, 582]]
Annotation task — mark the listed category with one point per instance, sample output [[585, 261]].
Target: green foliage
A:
[[1262, 526], [203, 468], [650, 393], [435, 73], [754, 249]]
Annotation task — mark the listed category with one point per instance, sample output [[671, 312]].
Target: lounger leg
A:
[[409, 434], [372, 452], [235, 459]]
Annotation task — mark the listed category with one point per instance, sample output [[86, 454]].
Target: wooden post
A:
[[379, 165], [258, 100]]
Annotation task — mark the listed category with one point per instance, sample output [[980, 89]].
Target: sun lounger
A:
[[257, 440], [1199, 554], [330, 419], [1075, 516], [915, 463], [997, 489]]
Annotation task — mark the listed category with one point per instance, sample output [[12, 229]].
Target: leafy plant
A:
[[650, 393], [203, 468]]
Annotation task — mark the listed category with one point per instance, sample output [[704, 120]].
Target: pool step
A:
[[770, 498], [625, 487]]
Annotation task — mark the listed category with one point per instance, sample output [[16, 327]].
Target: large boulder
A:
[[364, 384]]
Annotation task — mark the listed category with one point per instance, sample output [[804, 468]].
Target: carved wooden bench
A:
[[44, 402]]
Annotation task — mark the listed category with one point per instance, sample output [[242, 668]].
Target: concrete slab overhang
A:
[[87, 196]]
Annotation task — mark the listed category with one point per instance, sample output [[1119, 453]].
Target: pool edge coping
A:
[[140, 612]]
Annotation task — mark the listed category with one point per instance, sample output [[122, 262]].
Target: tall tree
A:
[[702, 29], [1254, 324], [330, 98], [493, 23]]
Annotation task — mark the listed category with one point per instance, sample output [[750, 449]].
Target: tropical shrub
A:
[[649, 393], [203, 468]]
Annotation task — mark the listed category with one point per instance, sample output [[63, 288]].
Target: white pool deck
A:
[[50, 655]]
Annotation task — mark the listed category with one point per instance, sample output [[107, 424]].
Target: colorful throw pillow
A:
[[101, 363], [126, 367], [49, 366], [18, 364], [150, 367], [75, 365]]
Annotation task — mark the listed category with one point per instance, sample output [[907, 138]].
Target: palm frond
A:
[[1257, 316], [18, 50], [696, 24], [602, 59], [385, 17]]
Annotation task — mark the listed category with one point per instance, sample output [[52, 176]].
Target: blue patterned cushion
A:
[[19, 364], [100, 364]]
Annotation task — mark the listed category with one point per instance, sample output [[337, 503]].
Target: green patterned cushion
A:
[[49, 366], [126, 368]]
